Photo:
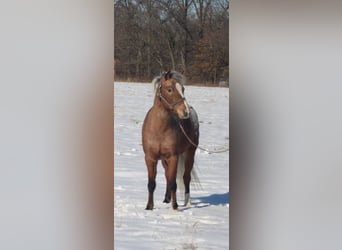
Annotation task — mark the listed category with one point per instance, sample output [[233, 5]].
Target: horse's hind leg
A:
[[171, 174], [167, 198], [152, 172], [189, 162]]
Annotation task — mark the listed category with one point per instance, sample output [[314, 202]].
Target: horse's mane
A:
[[169, 74]]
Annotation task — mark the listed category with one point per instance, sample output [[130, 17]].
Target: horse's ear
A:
[[167, 75]]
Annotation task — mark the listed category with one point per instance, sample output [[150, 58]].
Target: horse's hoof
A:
[[166, 200], [187, 201], [175, 206], [187, 204], [149, 207]]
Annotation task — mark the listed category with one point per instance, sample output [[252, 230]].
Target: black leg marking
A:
[[151, 186], [167, 198], [173, 186]]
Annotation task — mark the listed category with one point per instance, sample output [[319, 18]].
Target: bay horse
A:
[[163, 139]]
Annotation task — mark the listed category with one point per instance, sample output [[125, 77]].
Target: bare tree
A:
[[187, 35]]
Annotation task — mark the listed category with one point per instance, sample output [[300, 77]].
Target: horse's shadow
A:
[[210, 200]]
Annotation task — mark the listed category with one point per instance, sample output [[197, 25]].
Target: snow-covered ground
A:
[[205, 225]]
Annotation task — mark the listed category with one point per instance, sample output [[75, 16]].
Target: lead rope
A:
[[197, 146]]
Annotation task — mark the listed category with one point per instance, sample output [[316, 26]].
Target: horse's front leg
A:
[[167, 198], [152, 172], [171, 175]]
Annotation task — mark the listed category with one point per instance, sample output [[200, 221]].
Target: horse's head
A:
[[171, 94]]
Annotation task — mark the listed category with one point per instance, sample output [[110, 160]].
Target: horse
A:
[[170, 133]]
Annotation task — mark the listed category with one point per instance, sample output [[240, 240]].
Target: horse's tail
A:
[[195, 182]]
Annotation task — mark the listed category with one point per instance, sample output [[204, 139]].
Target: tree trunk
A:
[[149, 6], [171, 56]]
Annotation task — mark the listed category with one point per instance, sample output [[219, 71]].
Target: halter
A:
[[171, 105]]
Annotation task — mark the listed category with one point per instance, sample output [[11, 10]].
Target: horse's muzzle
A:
[[184, 115]]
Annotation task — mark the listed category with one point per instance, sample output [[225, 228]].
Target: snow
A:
[[204, 225]]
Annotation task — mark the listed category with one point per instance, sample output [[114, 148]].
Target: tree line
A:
[[190, 36]]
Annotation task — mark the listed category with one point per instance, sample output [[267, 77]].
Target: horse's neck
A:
[[163, 115], [157, 102]]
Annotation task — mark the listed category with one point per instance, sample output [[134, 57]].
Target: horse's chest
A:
[[166, 144], [169, 142], [162, 136]]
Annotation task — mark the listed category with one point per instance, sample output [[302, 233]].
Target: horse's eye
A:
[[169, 90]]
